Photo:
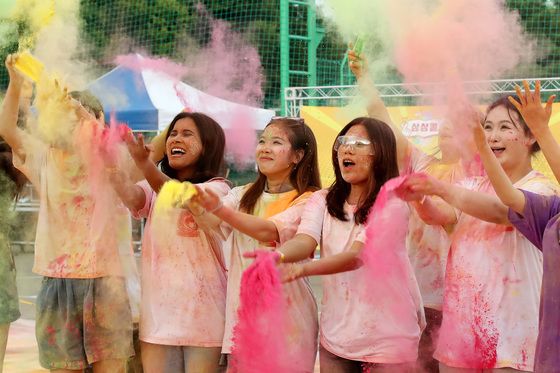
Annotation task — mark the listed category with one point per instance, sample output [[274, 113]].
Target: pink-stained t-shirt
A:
[[351, 325], [428, 245], [492, 290], [183, 276], [68, 244], [285, 210]]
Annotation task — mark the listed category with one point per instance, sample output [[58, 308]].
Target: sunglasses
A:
[[356, 144]]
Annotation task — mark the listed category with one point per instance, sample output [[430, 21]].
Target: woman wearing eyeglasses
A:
[[265, 214], [428, 245], [356, 335]]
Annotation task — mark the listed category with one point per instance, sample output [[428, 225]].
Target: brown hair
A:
[[305, 175], [211, 161], [383, 168], [504, 102], [89, 102]]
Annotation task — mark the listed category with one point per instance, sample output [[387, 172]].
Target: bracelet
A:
[[282, 257], [219, 206]]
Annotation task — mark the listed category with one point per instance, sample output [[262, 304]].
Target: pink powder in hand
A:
[[260, 334], [388, 278]]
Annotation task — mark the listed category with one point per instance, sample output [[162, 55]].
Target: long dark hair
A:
[[504, 102], [305, 175], [383, 168], [7, 168], [211, 161]]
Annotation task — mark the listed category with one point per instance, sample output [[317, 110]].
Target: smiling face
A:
[[274, 154], [183, 147], [507, 139], [356, 157]]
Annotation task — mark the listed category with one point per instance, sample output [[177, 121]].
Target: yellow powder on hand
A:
[[29, 66], [174, 194]]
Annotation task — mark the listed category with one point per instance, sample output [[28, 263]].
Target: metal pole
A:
[[284, 51]]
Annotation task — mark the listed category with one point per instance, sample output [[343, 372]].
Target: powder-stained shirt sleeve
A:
[[149, 199], [287, 221], [539, 210], [417, 161], [313, 215], [231, 200], [35, 157]]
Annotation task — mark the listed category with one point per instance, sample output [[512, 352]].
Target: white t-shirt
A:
[[80, 228], [492, 290], [352, 326], [285, 210], [183, 276], [428, 245]]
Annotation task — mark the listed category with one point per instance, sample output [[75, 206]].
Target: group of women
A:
[[476, 266]]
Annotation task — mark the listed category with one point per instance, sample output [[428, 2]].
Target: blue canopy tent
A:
[[124, 93], [148, 100]]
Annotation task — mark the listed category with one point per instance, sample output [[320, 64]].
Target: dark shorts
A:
[[82, 321], [9, 301]]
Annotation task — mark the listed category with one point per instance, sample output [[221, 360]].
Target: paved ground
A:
[[21, 354]]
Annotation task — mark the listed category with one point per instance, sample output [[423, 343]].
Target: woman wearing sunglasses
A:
[[356, 334]]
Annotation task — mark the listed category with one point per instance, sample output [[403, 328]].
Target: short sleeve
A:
[[35, 158], [287, 221], [361, 236], [539, 210], [231, 200], [218, 186], [418, 161], [313, 215], [149, 199]]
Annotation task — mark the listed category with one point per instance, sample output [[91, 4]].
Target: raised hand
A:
[[416, 186], [15, 77], [357, 63], [207, 199], [530, 106], [139, 151], [479, 136]]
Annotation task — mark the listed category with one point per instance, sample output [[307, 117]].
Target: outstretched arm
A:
[[342, 262], [263, 230], [480, 205]]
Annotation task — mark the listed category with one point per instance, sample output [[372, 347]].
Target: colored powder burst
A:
[[100, 147], [59, 46], [259, 336], [227, 67], [433, 41], [241, 140], [139, 63], [389, 281], [29, 66], [57, 118], [173, 194]]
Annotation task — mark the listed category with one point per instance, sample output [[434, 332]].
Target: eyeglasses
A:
[[356, 144]]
